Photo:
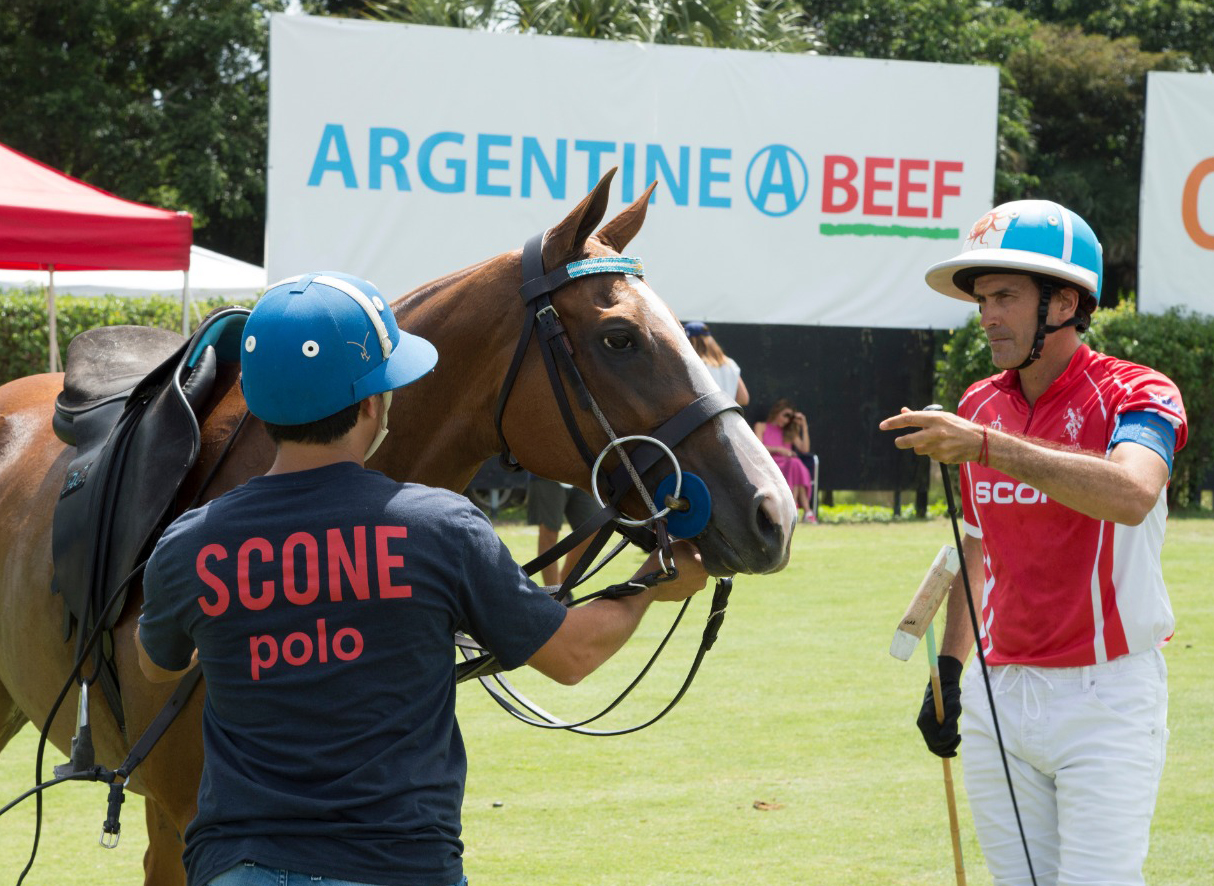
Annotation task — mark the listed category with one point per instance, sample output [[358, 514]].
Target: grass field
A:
[[793, 759]]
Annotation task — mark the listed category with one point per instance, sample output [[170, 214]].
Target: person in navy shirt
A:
[[321, 601], [1065, 457]]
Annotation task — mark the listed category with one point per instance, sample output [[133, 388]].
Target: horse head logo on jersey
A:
[[1074, 424]]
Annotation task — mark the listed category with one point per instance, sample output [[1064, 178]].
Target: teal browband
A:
[[608, 264]]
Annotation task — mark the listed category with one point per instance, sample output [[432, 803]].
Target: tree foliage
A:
[[1087, 94], [159, 102], [767, 25], [1180, 26]]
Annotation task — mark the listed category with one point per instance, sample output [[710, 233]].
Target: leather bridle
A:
[[543, 322]]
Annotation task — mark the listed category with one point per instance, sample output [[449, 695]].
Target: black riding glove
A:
[[942, 738]]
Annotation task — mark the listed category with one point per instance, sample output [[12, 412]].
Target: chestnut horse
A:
[[627, 345]]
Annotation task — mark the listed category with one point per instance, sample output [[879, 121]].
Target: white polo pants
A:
[[1086, 748]]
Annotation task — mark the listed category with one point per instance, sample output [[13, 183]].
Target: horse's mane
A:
[[423, 293]]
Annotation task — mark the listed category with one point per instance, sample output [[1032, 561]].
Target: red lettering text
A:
[[881, 191], [297, 648], [832, 181], [872, 185], [340, 564], [906, 187], [312, 565], [298, 639], [222, 595], [941, 189], [242, 574], [356, 644], [259, 661], [387, 562]]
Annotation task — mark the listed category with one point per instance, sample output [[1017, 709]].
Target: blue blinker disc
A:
[[689, 523]]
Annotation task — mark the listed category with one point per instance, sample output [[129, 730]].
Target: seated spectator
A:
[[723, 369], [549, 504], [786, 436]]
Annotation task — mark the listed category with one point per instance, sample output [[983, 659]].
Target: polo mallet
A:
[[986, 677], [914, 625]]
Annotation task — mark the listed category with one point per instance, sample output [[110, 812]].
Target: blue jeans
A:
[[252, 874]]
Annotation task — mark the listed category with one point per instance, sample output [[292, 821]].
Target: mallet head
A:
[[926, 602]]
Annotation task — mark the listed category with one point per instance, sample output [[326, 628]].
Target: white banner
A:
[[792, 189], [1176, 207]]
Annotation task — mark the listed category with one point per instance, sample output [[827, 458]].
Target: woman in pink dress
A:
[[786, 435]]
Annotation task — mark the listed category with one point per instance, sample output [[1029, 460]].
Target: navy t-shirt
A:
[[323, 605]]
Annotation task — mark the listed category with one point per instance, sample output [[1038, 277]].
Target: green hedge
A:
[[24, 334], [1178, 343]]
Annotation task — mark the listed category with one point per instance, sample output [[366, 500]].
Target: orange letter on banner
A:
[[1188, 204]]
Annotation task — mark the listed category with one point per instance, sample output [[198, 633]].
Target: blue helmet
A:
[[318, 343], [1025, 236]]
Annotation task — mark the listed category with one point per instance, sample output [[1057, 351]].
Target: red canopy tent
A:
[[52, 221]]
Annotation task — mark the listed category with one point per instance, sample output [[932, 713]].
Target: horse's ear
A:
[[618, 232], [565, 240]]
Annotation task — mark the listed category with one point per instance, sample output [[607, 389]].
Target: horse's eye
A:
[[617, 341]]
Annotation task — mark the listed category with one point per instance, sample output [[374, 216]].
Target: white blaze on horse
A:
[[628, 348]]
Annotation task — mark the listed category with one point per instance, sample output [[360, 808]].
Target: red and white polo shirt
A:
[[1063, 589]]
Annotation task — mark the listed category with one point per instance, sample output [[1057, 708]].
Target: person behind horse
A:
[[1065, 456], [786, 436], [321, 601], [723, 368], [549, 505]]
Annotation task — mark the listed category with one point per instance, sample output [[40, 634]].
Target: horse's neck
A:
[[441, 427]]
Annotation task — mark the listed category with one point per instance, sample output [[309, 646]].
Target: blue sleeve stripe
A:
[[1149, 429]]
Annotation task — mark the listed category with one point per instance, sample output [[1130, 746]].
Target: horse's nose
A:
[[772, 519]]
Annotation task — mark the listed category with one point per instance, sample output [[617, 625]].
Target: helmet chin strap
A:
[[383, 426], [1043, 328]]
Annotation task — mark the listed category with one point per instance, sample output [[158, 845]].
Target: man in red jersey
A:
[[1065, 457]]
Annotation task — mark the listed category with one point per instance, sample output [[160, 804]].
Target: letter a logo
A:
[[775, 184]]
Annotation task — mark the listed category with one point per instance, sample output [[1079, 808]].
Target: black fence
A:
[[845, 380]]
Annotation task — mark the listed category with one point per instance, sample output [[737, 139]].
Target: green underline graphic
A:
[[888, 231]]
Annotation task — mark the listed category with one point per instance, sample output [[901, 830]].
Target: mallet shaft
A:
[[954, 825]]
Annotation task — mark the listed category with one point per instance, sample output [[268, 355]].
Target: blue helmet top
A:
[[1024, 236], [318, 343]]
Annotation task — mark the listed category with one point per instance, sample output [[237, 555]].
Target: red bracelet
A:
[[984, 454]]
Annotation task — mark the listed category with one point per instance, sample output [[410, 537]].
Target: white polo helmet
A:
[[1027, 236]]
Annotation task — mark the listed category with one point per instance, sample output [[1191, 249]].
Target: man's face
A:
[[1008, 305]]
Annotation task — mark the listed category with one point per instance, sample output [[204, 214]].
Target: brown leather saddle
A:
[[130, 406]]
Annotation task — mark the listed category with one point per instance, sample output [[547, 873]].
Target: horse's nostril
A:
[[765, 525], [771, 526]]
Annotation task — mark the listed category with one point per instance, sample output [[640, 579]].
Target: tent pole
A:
[[185, 303], [54, 332]]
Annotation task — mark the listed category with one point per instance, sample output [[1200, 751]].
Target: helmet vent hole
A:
[[379, 305], [250, 343], [1053, 219], [310, 348]]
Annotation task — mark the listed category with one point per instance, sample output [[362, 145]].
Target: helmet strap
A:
[[1043, 328], [383, 426], [1043, 310]]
